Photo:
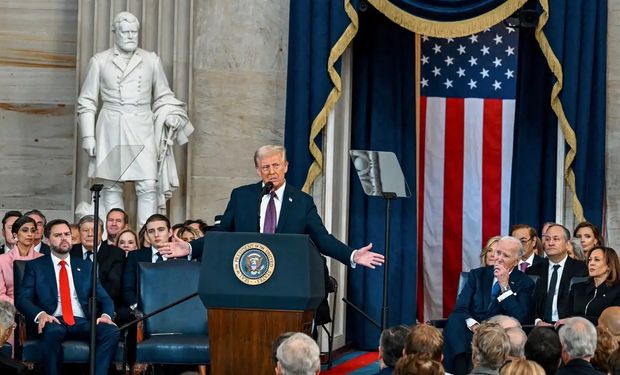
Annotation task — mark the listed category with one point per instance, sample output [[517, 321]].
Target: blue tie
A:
[[495, 290]]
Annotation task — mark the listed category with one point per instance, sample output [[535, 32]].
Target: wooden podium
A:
[[256, 287]]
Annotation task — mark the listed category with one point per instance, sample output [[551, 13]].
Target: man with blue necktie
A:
[[489, 291], [54, 295]]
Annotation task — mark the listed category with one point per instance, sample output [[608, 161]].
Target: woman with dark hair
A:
[[589, 236], [601, 290]]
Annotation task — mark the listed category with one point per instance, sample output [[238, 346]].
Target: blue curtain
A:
[[446, 10], [577, 33], [383, 120]]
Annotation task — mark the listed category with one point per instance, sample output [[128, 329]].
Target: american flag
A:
[[467, 107]]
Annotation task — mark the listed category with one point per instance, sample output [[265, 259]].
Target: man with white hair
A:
[[298, 355], [505, 321], [489, 291], [7, 324], [578, 339], [517, 338]]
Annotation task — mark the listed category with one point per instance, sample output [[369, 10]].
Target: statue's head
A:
[[125, 28]]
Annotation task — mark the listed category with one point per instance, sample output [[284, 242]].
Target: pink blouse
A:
[[6, 271]]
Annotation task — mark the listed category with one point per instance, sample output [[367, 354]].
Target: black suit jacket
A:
[[588, 301], [10, 366], [537, 259], [45, 249], [578, 367], [298, 215], [572, 268], [110, 263], [130, 275]]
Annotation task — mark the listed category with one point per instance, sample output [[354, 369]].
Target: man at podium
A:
[[273, 206]]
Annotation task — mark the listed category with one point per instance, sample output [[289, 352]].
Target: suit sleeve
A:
[[24, 300], [106, 303], [114, 273], [465, 297], [3, 289], [327, 244], [129, 284], [518, 305]]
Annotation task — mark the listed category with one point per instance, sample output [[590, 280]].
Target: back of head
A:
[[610, 319], [522, 367], [298, 355], [7, 318], [505, 321], [614, 362], [418, 364], [391, 344], [605, 345], [490, 346], [543, 347], [517, 342], [578, 338], [425, 338]]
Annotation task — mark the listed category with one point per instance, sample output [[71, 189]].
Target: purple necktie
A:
[[523, 266], [270, 215]]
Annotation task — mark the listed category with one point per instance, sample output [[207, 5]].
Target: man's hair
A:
[[516, 242], [20, 223], [36, 212], [578, 337], [116, 209], [201, 224], [392, 342], [276, 344], [490, 346], [543, 347], [425, 338], [124, 16], [298, 355], [505, 321], [89, 219], [7, 317], [53, 223], [420, 364], [565, 230], [517, 338], [157, 217], [266, 150], [532, 232], [8, 215]]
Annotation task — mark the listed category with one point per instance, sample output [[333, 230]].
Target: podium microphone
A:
[[266, 189]]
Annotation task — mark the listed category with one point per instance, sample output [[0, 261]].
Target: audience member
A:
[[543, 233], [589, 236], [199, 226], [143, 239], [188, 234], [39, 245], [60, 312], [489, 291], [522, 367], [517, 338], [505, 321], [127, 240], [578, 338], [575, 250], [7, 325], [23, 230], [75, 234], [175, 229], [116, 221], [490, 347], [614, 362], [110, 259], [276, 344], [605, 345], [7, 223], [391, 345], [528, 237], [425, 338], [487, 256], [551, 302], [418, 364], [543, 347], [298, 355], [610, 319], [590, 298]]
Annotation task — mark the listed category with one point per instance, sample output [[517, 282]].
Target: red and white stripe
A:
[[465, 166]]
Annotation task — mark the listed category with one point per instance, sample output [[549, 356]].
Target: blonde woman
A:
[[487, 255]]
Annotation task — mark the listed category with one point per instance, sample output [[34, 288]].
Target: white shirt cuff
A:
[[504, 295], [353, 264], [471, 322], [36, 318], [537, 320]]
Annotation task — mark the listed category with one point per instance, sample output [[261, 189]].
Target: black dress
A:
[[588, 301]]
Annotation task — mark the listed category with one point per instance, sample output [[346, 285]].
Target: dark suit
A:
[[110, 262], [572, 268], [38, 292], [578, 367], [537, 259], [588, 301], [2, 249], [297, 215], [10, 366], [130, 275], [475, 302], [45, 249]]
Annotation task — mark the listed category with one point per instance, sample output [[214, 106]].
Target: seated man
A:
[[489, 291], [391, 346], [54, 295]]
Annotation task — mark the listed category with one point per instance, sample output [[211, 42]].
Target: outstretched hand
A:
[[363, 256], [175, 249]]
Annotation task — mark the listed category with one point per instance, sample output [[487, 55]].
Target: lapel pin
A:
[[78, 269], [290, 199]]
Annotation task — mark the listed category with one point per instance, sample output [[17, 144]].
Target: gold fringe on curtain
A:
[[451, 29], [556, 105], [319, 122]]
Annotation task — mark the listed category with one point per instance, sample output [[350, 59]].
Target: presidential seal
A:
[[254, 263]]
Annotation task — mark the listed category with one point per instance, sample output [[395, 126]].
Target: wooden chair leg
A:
[[202, 369]]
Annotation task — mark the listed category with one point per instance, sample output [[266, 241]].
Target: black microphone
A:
[[266, 189]]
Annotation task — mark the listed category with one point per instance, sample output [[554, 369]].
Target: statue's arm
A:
[[87, 106]]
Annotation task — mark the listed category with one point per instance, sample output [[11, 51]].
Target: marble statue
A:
[[139, 121]]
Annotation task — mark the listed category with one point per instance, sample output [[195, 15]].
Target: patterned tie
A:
[[550, 294], [523, 266], [89, 256], [159, 257], [65, 295], [269, 225]]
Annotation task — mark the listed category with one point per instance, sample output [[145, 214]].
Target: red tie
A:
[[65, 295]]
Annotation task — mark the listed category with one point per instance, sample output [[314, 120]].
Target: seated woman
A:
[[127, 240], [487, 255], [590, 298], [24, 230]]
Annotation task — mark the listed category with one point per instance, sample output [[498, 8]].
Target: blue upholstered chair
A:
[[178, 335]]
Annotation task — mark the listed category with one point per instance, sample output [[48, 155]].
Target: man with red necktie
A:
[[54, 295]]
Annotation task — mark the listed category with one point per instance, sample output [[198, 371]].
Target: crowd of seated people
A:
[[525, 281]]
